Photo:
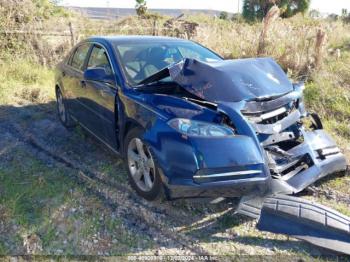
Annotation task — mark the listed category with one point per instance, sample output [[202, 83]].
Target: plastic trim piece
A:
[[236, 173], [305, 220]]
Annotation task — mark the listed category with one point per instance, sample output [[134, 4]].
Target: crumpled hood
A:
[[231, 80]]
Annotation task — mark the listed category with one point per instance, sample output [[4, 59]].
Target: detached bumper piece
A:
[[305, 220], [299, 218]]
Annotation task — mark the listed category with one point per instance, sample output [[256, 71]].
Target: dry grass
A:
[[270, 18], [20, 21], [290, 41], [22, 81]]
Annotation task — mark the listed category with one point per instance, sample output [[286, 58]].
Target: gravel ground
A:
[[63, 193]]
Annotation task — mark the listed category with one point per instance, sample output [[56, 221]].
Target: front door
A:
[[99, 97]]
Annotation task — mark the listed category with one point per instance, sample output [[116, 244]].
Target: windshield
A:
[[141, 60]]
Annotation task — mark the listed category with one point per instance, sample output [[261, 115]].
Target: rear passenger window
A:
[[79, 56], [99, 58]]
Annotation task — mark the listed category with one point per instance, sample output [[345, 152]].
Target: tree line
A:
[[256, 10]]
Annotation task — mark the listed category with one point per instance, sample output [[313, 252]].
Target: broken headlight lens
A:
[[199, 128]]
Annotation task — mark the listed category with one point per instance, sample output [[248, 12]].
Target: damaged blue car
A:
[[190, 124]]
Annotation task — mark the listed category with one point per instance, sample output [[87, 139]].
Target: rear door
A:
[[72, 80], [99, 98]]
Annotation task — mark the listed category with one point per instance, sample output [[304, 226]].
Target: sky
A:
[[324, 6]]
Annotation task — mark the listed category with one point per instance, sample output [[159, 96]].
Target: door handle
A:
[[83, 83]]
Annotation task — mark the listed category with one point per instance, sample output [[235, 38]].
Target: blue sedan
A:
[[190, 124]]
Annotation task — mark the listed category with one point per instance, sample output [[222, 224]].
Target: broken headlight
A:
[[199, 128]]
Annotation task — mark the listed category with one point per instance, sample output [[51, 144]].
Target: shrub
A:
[[256, 10], [141, 7], [223, 15]]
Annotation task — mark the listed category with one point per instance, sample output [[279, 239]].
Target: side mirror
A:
[[98, 74]]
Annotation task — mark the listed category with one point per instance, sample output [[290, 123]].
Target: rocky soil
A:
[[63, 193]]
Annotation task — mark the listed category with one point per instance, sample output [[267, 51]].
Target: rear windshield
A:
[[141, 60]]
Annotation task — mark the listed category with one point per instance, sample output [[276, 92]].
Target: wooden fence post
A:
[[72, 35], [270, 17], [319, 47], [154, 31]]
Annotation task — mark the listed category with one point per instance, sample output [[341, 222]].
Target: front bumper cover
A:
[[315, 143]]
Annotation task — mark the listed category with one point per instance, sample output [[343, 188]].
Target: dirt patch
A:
[[92, 210]]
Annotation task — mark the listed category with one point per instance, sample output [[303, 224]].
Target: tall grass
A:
[[23, 81], [329, 95], [291, 41]]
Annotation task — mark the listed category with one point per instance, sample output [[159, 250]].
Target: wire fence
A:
[[48, 43], [172, 27], [75, 34]]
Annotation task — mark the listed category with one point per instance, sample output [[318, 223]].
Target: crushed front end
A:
[[273, 150], [260, 102], [298, 151]]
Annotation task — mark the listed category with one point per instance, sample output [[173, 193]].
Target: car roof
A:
[[134, 39]]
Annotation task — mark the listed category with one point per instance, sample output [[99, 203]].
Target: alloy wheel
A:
[[141, 165]]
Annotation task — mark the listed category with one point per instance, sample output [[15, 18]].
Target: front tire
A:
[[141, 166], [62, 111]]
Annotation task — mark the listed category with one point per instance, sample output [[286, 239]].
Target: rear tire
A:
[[62, 111], [141, 166]]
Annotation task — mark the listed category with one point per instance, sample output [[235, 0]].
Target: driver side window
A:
[[79, 56], [99, 58]]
